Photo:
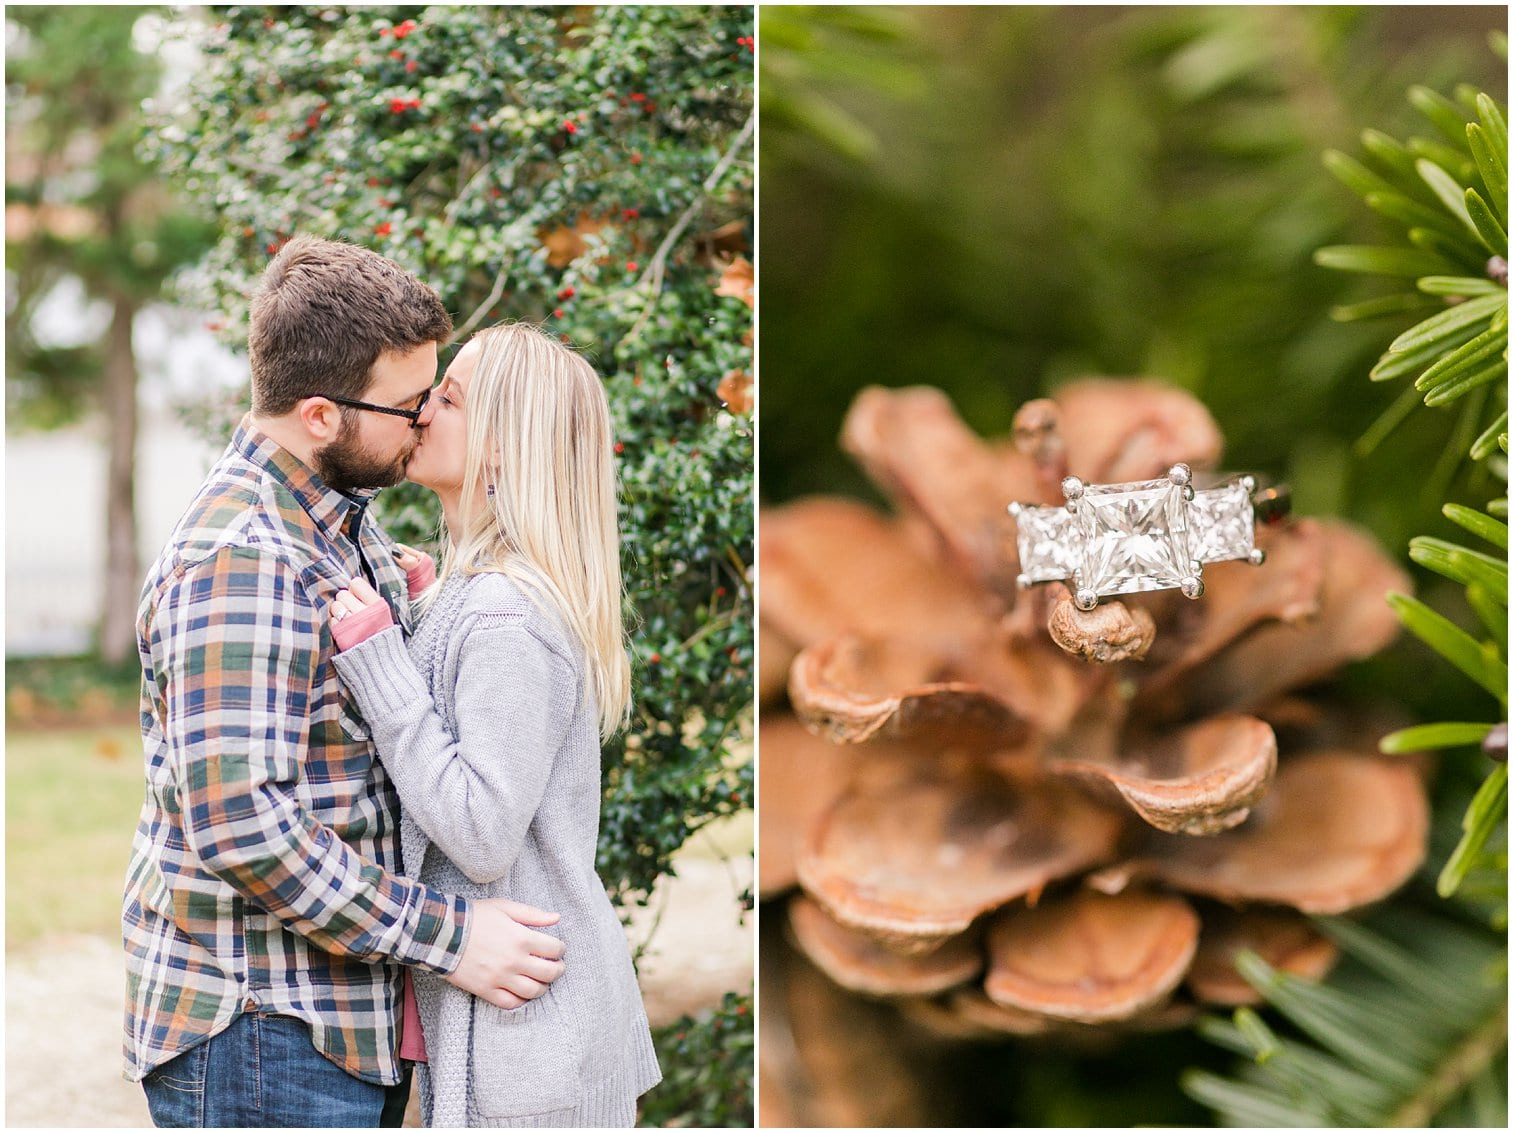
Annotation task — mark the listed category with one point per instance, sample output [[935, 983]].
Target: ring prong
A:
[[1248, 483], [1023, 582], [1071, 488], [1188, 492], [1257, 556], [1015, 508], [1192, 586], [1180, 475], [1086, 599]]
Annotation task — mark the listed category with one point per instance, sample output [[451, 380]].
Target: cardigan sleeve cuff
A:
[[381, 674]]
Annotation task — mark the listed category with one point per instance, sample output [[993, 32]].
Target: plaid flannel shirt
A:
[[264, 867]]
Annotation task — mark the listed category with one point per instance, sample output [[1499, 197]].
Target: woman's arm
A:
[[474, 795]]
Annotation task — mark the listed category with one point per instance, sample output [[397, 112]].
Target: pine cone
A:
[[1011, 816]]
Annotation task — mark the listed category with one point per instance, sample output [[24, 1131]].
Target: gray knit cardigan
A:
[[485, 726]]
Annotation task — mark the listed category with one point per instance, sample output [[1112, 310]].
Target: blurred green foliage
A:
[[708, 1070], [80, 202], [586, 168], [993, 200]]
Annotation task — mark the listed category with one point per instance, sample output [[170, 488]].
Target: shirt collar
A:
[[333, 512]]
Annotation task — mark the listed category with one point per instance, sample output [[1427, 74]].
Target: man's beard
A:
[[346, 465]]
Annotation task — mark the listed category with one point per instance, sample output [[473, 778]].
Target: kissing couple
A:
[[372, 793]]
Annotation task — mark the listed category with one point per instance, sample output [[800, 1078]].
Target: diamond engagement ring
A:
[[1145, 535]]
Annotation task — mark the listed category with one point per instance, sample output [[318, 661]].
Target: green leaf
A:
[[1453, 644], [1476, 522], [1458, 285], [1436, 243], [1394, 364], [1474, 376], [1398, 159], [1470, 568], [1484, 444], [1470, 313], [1411, 214], [1493, 121], [1492, 234], [1449, 190], [1488, 808], [1443, 113], [1493, 612], [1449, 158], [1428, 737], [1260, 1037], [1250, 1106], [1354, 175], [1378, 260], [1492, 165], [1468, 359], [1401, 303]]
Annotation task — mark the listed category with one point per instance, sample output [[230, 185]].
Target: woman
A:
[[490, 723]]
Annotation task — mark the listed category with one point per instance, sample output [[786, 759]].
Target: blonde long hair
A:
[[538, 496]]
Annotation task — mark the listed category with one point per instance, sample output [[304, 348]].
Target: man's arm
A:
[[237, 643]]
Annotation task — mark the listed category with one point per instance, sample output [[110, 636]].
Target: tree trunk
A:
[[123, 567]]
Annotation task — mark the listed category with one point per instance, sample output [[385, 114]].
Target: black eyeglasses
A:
[[412, 414]]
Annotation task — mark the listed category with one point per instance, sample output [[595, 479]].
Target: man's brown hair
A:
[[323, 313]]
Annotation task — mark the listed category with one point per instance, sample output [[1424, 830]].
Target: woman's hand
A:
[[419, 568], [357, 613]]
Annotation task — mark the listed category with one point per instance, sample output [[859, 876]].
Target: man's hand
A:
[[505, 962]]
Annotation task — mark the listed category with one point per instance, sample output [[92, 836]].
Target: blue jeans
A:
[[263, 1071]]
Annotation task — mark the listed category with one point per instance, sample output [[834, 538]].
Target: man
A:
[[264, 911]]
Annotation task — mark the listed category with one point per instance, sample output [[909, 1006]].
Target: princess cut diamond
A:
[[1047, 544], [1134, 537], [1224, 523]]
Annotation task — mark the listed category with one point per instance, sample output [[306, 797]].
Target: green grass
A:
[[71, 803]]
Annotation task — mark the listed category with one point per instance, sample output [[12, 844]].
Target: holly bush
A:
[[707, 1063], [585, 168]]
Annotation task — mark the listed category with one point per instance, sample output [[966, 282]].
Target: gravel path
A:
[[63, 998]]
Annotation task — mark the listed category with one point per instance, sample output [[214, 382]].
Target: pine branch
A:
[[1463, 1065], [1408, 1028]]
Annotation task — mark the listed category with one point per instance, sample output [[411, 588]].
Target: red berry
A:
[[570, 126], [632, 266], [655, 658], [396, 54], [638, 97], [619, 447], [411, 65], [635, 159], [631, 214], [557, 314], [382, 32], [566, 293], [384, 229], [248, 232], [272, 248], [372, 182]]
